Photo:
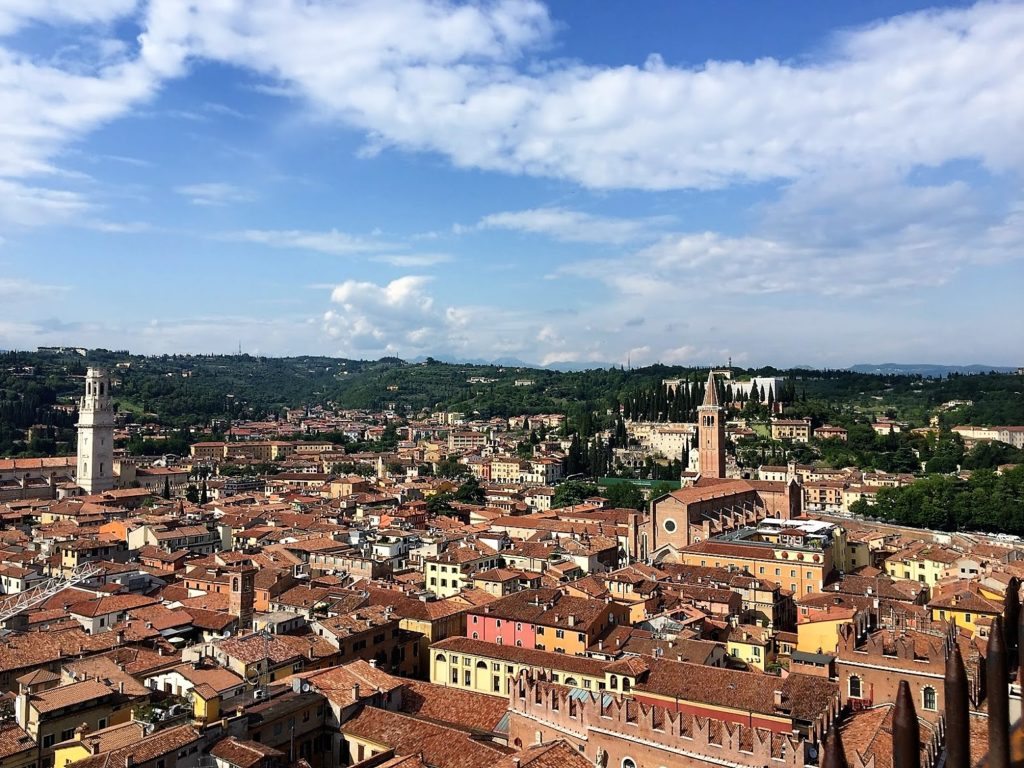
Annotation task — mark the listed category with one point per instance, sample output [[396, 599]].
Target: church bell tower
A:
[[711, 432], [96, 434]]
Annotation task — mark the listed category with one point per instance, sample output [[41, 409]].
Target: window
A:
[[468, 678], [67, 733], [928, 700], [455, 677], [669, 525], [559, 634], [855, 687], [628, 762], [778, 572]]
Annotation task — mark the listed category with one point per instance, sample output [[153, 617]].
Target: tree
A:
[[573, 492], [470, 492], [167, 488], [624, 495], [203, 497], [450, 468], [192, 494]]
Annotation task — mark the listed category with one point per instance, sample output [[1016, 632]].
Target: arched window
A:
[[440, 657], [476, 636], [928, 699], [570, 681], [628, 762], [855, 687], [613, 681]]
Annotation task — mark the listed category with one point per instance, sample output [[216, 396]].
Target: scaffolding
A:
[[45, 590]]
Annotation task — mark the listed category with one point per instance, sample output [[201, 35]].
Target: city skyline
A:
[[779, 183]]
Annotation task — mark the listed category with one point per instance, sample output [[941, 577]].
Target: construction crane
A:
[[45, 590]]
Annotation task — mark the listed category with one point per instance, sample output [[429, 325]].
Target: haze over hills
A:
[[930, 370]]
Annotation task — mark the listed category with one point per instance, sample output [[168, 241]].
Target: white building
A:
[[96, 434]]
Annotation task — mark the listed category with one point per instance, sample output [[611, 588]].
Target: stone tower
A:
[[711, 432], [242, 595], [96, 434]]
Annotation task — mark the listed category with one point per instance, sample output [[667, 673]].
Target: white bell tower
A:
[[96, 434]]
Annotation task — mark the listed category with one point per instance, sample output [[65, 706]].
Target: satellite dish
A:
[[226, 635], [306, 687]]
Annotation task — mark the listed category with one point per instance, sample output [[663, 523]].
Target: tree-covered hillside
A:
[[194, 390]]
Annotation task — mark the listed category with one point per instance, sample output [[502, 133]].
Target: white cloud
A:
[[18, 289], [384, 319], [439, 77], [577, 226], [17, 13], [430, 76], [336, 243], [28, 205], [407, 260], [214, 193], [331, 241]]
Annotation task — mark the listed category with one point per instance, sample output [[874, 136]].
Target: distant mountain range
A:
[[927, 369], [514, 362]]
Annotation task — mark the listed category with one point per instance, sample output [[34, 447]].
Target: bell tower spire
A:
[[711, 432], [96, 434]]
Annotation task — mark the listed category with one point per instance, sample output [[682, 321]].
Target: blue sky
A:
[[779, 182]]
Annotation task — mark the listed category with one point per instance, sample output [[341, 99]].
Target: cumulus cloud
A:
[[449, 78], [397, 317], [432, 76]]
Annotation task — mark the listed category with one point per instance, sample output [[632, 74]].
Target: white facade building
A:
[[96, 434]]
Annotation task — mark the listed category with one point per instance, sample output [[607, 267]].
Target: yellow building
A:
[[965, 608], [751, 645], [86, 743], [801, 568], [928, 564], [452, 571], [475, 665]]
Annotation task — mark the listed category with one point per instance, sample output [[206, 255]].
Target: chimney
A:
[[355, 691], [778, 699], [94, 747], [373, 663], [81, 730], [120, 687]]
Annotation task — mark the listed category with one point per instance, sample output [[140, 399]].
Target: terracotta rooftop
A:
[[439, 746], [453, 706]]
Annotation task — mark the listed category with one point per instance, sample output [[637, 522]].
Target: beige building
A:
[[797, 430]]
